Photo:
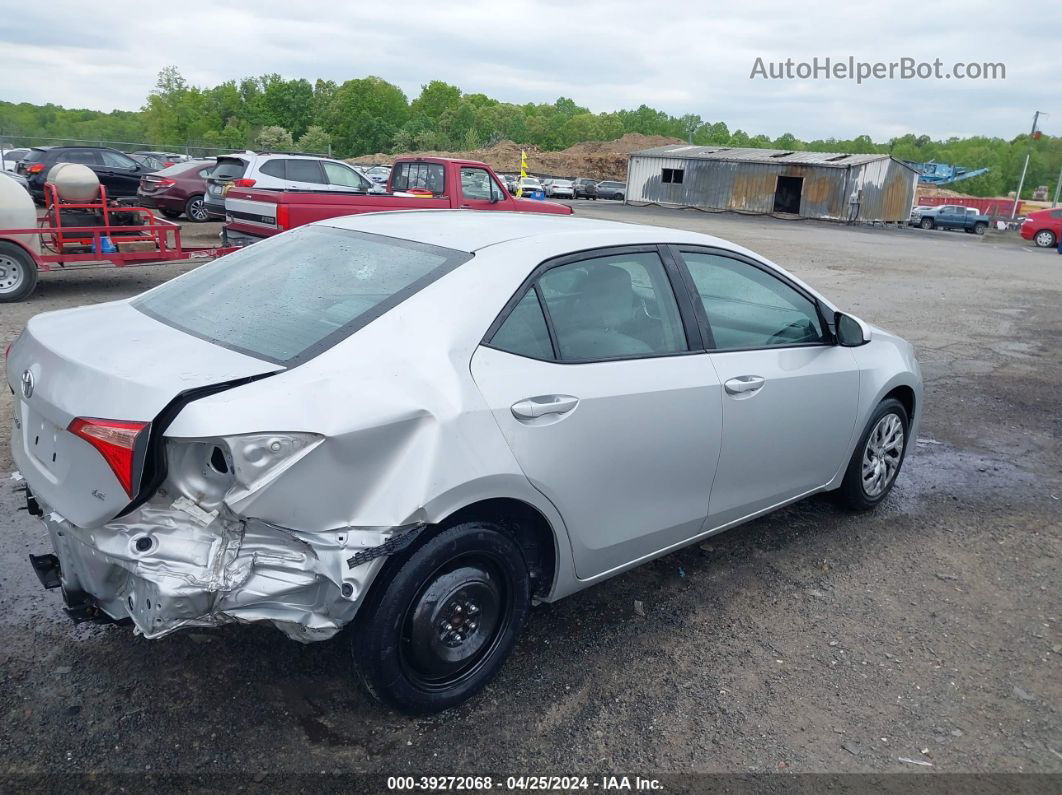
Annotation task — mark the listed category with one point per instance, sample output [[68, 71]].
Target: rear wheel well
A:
[[526, 525], [906, 396]]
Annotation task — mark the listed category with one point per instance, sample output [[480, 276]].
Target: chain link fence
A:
[[189, 148]]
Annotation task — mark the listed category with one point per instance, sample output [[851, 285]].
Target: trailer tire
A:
[[18, 273]]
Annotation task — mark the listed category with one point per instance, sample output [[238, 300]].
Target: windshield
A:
[[287, 298]]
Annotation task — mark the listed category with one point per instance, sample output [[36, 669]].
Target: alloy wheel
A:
[[882, 455]]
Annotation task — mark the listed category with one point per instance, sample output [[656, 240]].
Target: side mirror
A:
[[851, 331], [494, 198]]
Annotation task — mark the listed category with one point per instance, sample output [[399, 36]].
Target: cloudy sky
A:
[[677, 55]]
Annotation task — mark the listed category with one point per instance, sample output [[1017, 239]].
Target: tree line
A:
[[368, 115]]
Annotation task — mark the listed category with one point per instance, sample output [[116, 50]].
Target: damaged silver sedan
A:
[[420, 423]]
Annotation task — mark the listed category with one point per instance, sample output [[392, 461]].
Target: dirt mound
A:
[[631, 142], [593, 159]]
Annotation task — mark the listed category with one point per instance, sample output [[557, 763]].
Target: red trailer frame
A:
[[63, 245]]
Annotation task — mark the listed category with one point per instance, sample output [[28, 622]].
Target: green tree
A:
[[364, 115], [436, 98], [274, 139], [315, 140]]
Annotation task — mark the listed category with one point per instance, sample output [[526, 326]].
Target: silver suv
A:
[[279, 171]]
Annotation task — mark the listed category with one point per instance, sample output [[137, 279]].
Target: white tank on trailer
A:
[[74, 182], [18, 212]]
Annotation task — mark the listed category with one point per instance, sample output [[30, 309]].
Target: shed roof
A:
[[748, 155]]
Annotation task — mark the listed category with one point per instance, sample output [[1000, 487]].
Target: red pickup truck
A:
[[415, 184]]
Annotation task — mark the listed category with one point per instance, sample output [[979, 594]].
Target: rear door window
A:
[[613, 307], [308, 171], [118, 160], [525, 332], [89, 157]]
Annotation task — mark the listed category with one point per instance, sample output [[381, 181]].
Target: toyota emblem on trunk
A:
[[27, 384]]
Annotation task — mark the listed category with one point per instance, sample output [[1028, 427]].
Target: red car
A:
[[177, 189], [1043, 227]]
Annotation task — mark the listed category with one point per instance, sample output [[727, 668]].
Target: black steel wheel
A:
[[440, 620]]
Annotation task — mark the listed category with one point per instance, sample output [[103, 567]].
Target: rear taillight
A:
[[36, 168], [282, 216], [166, 183], [115, 440], [243, 183]]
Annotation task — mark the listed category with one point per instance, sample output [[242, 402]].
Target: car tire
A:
[[195, 210], [409, 638], [857, 493], [926, 223], [18, 273], [173, 215], [1045, 238]]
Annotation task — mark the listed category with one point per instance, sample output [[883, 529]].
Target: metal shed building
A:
[[827, 185]]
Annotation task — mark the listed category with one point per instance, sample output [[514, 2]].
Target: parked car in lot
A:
[[279, 171], [118, 173], [611, 190], [529, 185], [419, 423], [561, 189], [585, 188], [416, 183], [21, 180], [158, 160], [918, 211], [9, 158], [1043, 227], [178, 189], [953, 216], [378, 174]]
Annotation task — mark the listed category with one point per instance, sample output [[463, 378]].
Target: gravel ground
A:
[[808, 641]]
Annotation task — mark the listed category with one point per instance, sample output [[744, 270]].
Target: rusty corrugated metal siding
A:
[[873, 188]]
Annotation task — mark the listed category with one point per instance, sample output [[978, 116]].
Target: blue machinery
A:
[[943, 173]]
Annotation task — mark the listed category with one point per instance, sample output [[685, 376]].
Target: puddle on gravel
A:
[[936, 469]]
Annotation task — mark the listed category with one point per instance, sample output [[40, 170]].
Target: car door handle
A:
[[744, 384], [542, 405]]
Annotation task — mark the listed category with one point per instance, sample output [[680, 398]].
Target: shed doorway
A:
[[787, 195]]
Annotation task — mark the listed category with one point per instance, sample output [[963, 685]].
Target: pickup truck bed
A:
[[255, 213]]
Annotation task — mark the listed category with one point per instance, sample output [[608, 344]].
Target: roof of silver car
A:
[[468, 230]]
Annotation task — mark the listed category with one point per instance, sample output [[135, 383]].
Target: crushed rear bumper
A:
[[171, 566]]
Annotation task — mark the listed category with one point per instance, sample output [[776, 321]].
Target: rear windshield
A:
[[423, 176], [228, 168], [189, 165], [287, 298]]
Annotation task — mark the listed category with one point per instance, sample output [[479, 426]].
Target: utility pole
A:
[[1028, 154]]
